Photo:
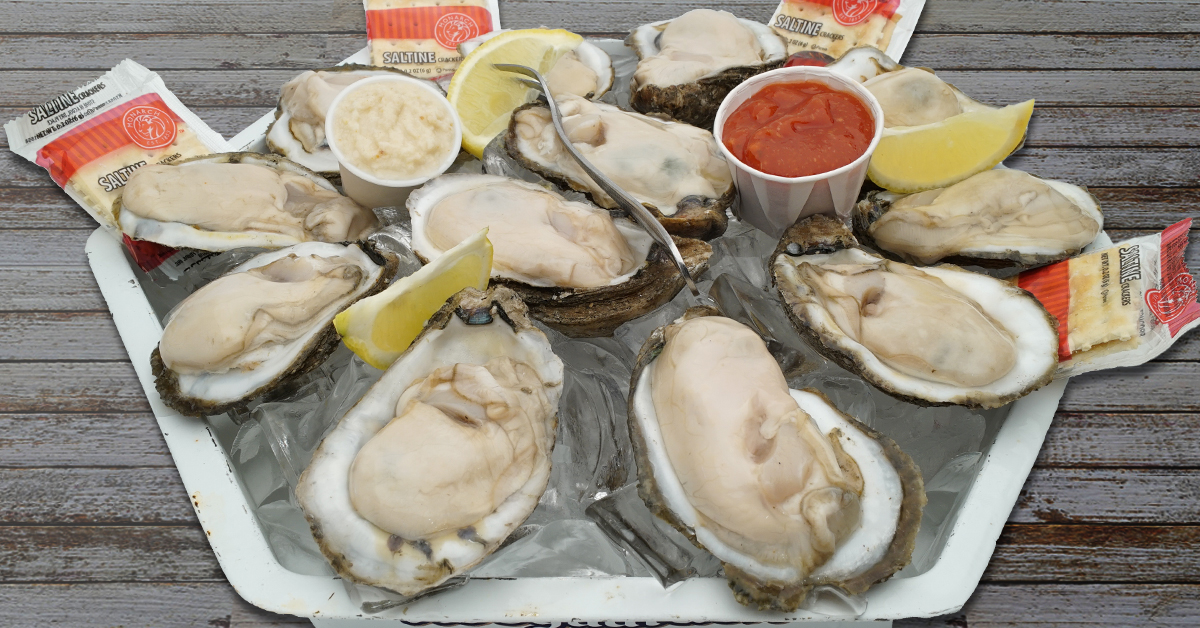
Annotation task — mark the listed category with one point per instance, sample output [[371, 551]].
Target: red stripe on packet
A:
[[1052, 286], [851, 12], [96, 138], [447, 24], [1175, 304]]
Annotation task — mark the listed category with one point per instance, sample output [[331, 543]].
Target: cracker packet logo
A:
[[851, 12], [1168, 303], [149, 128], [453, 29]]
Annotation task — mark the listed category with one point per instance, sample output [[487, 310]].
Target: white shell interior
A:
[[235, 384], [881, 499], [422, 202], [1036, 339], [323, 490]]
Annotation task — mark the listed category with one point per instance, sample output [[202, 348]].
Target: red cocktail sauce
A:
[[799, 129]]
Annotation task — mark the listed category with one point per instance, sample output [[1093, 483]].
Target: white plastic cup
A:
[[772, 203], [371, 191]]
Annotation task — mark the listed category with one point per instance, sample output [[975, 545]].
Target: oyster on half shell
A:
[[786, 490], [580, 271], [676, 170], [930, 336], [689, 64], [232, 200], [997, 218], [298, 131], [266, 321], [445, 455]]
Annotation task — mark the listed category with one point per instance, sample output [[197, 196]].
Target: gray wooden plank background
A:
[[96, 529]]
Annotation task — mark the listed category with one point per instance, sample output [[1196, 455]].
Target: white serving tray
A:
[[225, 511], [227, 516]]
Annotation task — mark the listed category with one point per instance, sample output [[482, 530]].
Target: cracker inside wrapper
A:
[[1119, 306]]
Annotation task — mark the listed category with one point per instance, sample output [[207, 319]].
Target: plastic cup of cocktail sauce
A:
[[773, 203], [372, 191]]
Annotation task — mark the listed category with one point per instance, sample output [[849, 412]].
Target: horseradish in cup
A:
[[390, 134]]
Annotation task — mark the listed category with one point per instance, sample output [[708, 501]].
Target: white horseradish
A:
[[394, 130]]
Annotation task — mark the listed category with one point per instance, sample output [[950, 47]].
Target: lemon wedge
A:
[[937, 155], [379, 328], [485, 97]]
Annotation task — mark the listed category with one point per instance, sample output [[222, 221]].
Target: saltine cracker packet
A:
[[1119, 306], [92, 138], [823, 30], [421, 37]]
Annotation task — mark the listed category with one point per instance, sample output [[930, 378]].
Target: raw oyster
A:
[[786, 490], [676, 170], [231, 200], [298, 131], [999, 217], [579, 270], [266, 321], [930, 336], [586, 71], [445, 455], [689, 64]]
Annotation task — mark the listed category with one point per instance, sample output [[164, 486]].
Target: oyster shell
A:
[[676, 170], [231, 200], [298, 131], [445, 455], [930, 336], [689, 64], [786, 490], [579, 270], [266, 321], [996, 218]]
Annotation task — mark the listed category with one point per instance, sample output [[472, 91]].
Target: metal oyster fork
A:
[[535, 80]]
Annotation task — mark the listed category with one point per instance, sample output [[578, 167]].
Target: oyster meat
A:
[[999, 217], [266, 321], [930, 336], [676, 170], [298, 131], [445, 455], [786, 490], [232, 200], [689, 64], [579, 270]]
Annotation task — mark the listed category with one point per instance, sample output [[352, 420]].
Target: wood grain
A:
[[346, 16], [1122, 440], [93, 496], [70, 387], [82, 440], [107, 553], [1091, 553], [149, 605]]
